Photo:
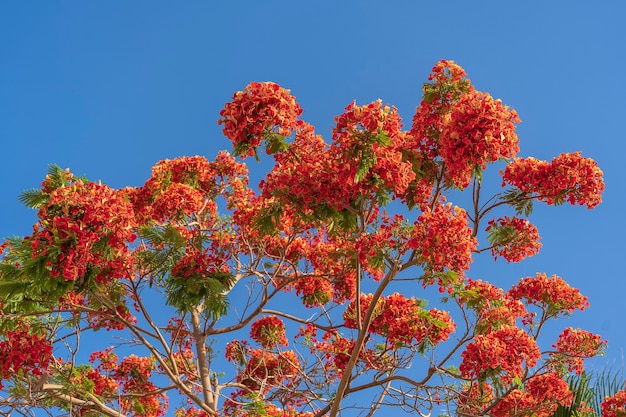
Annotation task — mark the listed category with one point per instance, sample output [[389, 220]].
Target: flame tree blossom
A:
[[568, 177], [257, 111], [513, 238]]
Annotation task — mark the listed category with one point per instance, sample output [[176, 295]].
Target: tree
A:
[[299, 296]]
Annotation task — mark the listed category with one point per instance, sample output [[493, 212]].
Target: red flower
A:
[[260, 109], [24, 350], [552, 294], [574, 345], [443, 240], [520, 238], [477, 131], [503, 350], [569, 177], [269, 331], [614, 406]]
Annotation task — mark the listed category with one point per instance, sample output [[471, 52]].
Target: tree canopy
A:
[[199, 294]]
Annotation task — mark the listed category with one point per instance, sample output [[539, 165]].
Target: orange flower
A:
[[259, 109], [569, 177]]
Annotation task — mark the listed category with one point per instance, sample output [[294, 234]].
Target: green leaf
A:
[[500, 235], [33, 198], [519, 200], [268, 220], [365, 164], [14, 290], [382, 138], [275, 143]]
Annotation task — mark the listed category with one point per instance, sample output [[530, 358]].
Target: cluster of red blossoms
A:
[[24, 350], [130, 376], [402, 321], [478, 130], [614, 406], [259, 109], [552, 294], [269, 331], [443, 238], [569, 177], [573, 346], [522, 239], [85, 226], [540, 396], [466, 129], [503, 350]]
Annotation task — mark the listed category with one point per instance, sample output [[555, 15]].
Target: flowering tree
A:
[[219, 299]]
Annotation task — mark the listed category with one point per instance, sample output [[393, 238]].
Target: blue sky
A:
[[109, 88]]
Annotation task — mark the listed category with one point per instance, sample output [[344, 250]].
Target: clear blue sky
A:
[[109, 88]]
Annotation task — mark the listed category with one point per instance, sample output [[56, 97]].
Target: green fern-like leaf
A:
[[500, 235], [519, 200], [13, 290], [33, 198]]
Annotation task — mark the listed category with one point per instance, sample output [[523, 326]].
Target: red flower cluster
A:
[[365, 158], [442, 239], [269, 331], [548, 390], [569, 177], [132, 376], [540, 398], [362, 123], [552, 294], [373, 131], [522, 239], [478, 130], [465, 128], [261, 369], [259, 109], [176, 188], [308, 176], [85, 227], [402, 320], [196, 264], [574, 345], [614, 406], [503, 350], [314, 291], [493, 308], [24, 350]]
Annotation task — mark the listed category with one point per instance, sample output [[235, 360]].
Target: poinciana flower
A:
[[442, 239], [513, 238], [132, 375], [614, 406], [269, 332], [569, 177], [574, 346], [478, 130], [402, 320], [260, 109], [24, 349], [507, 350], [90, 225], [550, 293]]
